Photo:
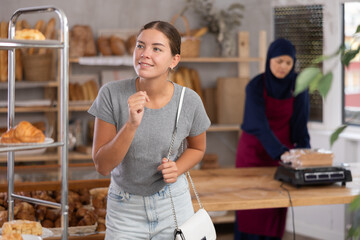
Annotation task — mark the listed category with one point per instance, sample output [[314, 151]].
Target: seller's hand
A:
[[169, 170], [136, 103]]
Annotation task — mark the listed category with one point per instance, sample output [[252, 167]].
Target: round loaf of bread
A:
[[117, 45]]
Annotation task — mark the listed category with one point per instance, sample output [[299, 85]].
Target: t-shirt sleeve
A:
[[201, 121], [102, 106]]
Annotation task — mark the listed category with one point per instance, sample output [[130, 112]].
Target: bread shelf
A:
[[46, 157], [224, 128], [8, 44], [31, 109], [29, 84], [190, 60]]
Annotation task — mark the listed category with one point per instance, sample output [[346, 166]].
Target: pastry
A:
[[27, 133], [117, 45], [9, 137], [29, 34], [22, 227], [12, 236]]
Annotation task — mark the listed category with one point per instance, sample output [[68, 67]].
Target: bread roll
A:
[[117, 45], [130, 44], [104, 46], [29, 34]]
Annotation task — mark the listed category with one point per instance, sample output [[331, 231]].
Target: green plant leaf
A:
[[236, 6], [314, 83], [358, 29], [355, 204], [305, 78], [335, 135], [325, 84], [348, 56], [353, 233]]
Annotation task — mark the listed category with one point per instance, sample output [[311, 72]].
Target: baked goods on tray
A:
[[22, 227], [24, 132], [29, 34], [307, 157], [12, 236]]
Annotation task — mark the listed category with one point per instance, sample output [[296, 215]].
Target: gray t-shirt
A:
[[137, 173]]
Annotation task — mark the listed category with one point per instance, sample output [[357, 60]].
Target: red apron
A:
[[251, 153]]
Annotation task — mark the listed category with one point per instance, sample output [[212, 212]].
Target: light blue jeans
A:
[[132, 216]]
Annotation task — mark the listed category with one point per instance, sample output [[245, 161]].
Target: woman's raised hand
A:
[[136, 103]]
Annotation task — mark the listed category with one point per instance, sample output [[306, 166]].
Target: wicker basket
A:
[[190, 46], [37, 67]]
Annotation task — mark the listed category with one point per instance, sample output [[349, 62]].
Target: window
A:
[[351, 74], [303, 26]]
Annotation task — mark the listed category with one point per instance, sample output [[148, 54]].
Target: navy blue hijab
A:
[[280, 88]]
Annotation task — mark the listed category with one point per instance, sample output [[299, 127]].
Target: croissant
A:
[[9, 137], [27, 133]]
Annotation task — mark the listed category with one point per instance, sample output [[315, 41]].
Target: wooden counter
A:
[[252, 188], [235, 189]]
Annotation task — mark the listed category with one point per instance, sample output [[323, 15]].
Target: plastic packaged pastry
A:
[[302, 157]]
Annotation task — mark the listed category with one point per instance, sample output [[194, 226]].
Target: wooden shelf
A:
[[229, 217], [224, 128], [30, 84], [47, 157], [203, 60], [31, 109]]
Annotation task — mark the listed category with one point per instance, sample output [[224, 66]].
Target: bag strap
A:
[[168, 157]]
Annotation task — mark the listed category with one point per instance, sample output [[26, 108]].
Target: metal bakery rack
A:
[[63, 45]]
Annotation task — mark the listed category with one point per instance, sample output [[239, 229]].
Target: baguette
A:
[[40, 26], [25, 24], [50, 28], [18, 54], [3, 53], [196, 83]]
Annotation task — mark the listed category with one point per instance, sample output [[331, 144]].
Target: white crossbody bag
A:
[[200, 225]]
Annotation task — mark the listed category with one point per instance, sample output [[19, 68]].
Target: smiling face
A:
[[152, 56], [281, 66]]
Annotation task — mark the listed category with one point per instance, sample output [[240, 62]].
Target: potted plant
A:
[[221, 22], [313, 79]]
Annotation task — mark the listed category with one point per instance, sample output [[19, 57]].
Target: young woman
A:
[[134, 123], [274, 122]]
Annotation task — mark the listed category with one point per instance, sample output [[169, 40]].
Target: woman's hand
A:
[[136, 103], [169, 170]]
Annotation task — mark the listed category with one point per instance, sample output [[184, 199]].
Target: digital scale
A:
[[305, 176]]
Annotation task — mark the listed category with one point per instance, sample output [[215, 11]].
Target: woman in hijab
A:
[[274, 122]]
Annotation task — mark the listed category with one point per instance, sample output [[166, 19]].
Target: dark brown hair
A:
[[169, 31]]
